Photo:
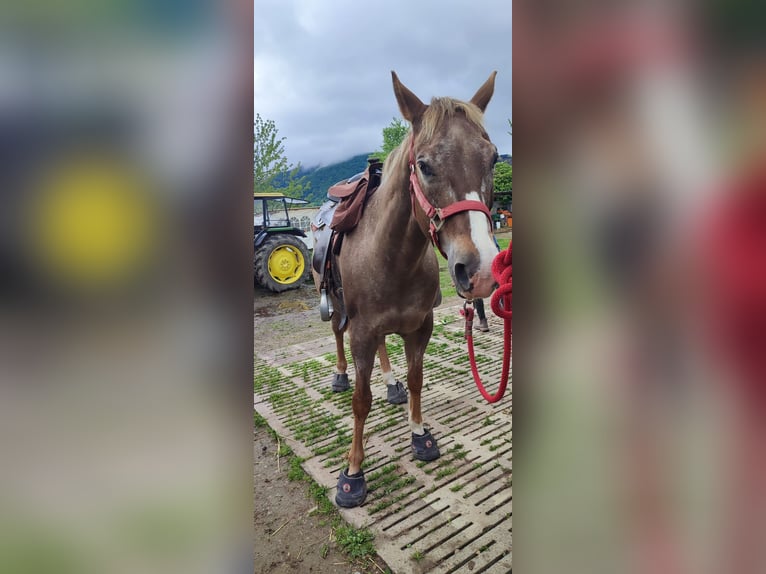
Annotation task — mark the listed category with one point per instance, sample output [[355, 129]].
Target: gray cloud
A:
[[322, 68]]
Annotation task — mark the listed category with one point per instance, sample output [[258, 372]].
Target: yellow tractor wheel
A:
[[281, 263]]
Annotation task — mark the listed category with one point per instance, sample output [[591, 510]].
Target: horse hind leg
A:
[[340, 377], [423, 443], [396, 394], [352, 487]]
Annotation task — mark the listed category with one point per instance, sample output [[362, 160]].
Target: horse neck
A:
[[397, 217]]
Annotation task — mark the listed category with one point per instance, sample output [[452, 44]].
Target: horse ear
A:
[[409, 104], [484, 94]]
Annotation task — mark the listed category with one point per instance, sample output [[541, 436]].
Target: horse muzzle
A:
[[471, 280]]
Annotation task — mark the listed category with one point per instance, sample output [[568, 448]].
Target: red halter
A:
[[437, 215]]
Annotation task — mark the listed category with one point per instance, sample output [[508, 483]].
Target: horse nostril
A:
[[462, 278]]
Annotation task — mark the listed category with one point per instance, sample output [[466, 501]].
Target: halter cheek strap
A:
[[437, 215]]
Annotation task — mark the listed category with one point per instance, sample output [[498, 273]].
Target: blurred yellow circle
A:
[[93, 223]]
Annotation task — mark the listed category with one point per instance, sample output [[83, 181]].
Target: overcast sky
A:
[[323, 67]]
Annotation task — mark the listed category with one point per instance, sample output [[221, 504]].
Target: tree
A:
[[270, 162], [393, 135], [503, 176]]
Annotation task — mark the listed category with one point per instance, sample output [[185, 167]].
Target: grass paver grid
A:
[[450, 515]]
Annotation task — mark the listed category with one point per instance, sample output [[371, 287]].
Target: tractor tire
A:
[[281, 263]]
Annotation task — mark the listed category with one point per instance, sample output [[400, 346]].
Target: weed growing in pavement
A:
[[356, 543], [446, 471]]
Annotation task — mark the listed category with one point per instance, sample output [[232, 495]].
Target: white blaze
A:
[[481, 234]]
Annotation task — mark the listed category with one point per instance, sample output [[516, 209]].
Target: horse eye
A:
[[424, 168], [497, 158]]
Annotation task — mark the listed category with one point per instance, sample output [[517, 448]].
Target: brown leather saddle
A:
[[339, 215]]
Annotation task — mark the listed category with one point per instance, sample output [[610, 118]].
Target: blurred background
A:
[[640, 303], [125, 286]]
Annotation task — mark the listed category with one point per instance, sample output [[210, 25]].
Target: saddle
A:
[[339, 215]]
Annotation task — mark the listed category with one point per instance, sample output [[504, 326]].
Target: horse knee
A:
[[362, 401]]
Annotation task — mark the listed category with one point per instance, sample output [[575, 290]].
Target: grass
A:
[[417, 556], [446, 471], [295, 471], [356, 543], [259, 421], [445, 281]]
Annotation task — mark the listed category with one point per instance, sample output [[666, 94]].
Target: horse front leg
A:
[[352, 487], [340, 377], [423, 443]]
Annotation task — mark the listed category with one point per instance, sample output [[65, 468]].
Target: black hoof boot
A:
[[424, 447], [340, 383], [352, 490], [396, 394]]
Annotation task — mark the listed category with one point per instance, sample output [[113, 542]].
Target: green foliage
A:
[[270, 162], [393, 135], [503, 176], [356, 543]]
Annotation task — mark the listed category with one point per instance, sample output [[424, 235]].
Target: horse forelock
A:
[[439, 111]]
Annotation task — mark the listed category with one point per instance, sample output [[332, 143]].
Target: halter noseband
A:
[[437, 215]]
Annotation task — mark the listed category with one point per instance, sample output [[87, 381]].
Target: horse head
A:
[[451, 161]]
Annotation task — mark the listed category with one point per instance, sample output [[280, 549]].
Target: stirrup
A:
[[325, 306]]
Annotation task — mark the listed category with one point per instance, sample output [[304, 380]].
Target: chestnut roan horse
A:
[[436, 187]]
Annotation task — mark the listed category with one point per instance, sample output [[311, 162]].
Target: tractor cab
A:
[[270, 211]]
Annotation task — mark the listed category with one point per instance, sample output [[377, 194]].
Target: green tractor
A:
[[280, 259]]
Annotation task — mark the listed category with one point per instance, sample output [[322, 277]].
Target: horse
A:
[[436, 188]]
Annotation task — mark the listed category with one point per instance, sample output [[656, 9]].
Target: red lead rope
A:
[[502, 271]]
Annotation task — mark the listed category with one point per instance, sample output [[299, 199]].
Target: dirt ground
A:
[[288, 537], [281, 319]]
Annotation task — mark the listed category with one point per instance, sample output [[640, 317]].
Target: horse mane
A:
[[438, 111]]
